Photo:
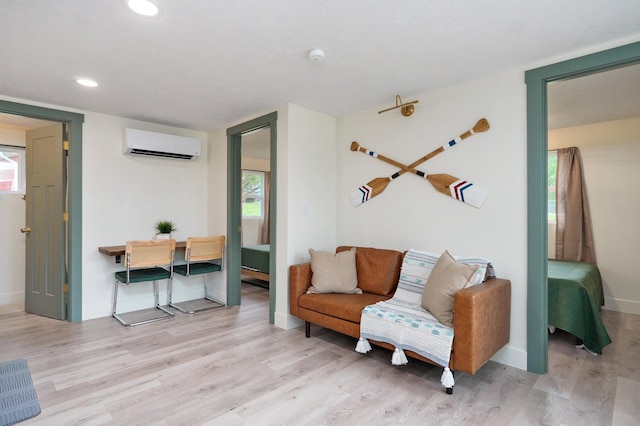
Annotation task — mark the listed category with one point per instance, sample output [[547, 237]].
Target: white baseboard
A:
[[622, 305], [286, 321], [512, 357], [11, 298]]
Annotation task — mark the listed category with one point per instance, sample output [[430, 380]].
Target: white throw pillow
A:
[[334, 272], [446, 279]]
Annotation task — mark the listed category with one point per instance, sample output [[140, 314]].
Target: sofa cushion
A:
[[447, 277], [333, 273], [378, 269], [345, 306]]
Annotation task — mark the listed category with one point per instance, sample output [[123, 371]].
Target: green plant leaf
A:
[[165, 227]]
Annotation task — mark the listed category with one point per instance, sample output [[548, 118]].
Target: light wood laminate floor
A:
[[230, 367]]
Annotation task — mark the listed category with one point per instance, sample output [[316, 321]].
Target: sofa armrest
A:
[[482, 318], [299, 283]]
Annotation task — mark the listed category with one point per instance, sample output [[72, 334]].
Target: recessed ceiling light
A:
[[144, 7], [86, 82]]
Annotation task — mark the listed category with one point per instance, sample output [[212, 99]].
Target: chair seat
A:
[[197, 268], [141, 275]]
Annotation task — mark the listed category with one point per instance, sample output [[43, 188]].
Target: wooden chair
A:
[[200, 254], [146, 261]]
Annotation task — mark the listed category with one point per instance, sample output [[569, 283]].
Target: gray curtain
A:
[[574, 235], [266, 232]]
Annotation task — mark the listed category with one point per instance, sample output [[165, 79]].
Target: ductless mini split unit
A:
[[143, 142]]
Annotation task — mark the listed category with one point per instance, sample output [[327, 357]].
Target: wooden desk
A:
[[118, 251]]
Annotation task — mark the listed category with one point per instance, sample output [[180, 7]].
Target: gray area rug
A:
[[18, 398]]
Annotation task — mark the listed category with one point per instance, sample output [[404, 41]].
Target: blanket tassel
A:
[[363, 346], [447, 380], [399, 358]]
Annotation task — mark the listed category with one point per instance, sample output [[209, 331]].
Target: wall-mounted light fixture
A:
[[405, 108]]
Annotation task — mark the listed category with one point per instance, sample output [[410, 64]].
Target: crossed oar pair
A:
[[459, 189]]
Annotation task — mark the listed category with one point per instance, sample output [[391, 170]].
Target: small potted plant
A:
[[165, 228]]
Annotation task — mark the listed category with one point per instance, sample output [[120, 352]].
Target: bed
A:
[[255, 261], [575, 298]]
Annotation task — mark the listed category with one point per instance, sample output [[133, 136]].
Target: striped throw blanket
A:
[[402, 321]]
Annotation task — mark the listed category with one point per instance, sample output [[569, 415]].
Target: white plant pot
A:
[[163, 236]]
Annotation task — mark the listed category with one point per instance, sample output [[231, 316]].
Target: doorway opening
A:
[[256, 207], [248, 134], [73, 286], [537, 146]]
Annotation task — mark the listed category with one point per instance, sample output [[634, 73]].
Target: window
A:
[[552, 166], [12, 169], [252, 193]]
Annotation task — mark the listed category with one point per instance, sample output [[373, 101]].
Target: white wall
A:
[[610, 156], [12, 246], [123, 197], [410, 213], [310, 209]]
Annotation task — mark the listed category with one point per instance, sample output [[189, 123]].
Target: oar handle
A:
[[481, 126], [355, 146]]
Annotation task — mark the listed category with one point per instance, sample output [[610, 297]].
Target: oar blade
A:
[[360, 195], [460, 189], [366, 192]]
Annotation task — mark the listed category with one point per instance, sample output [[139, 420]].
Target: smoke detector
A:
[[316, 55]]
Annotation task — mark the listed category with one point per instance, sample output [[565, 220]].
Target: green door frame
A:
[[74, 121], [234, 207], [537, 144]]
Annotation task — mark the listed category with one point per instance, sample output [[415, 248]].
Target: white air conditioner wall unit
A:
[[143, 142]]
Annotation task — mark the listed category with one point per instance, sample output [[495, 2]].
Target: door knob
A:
[[25, 230]]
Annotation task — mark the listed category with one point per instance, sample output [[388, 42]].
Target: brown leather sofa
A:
[[481, 313]]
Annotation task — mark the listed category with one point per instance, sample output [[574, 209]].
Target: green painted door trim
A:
[[537, 79], [234, 207], [74, 120]]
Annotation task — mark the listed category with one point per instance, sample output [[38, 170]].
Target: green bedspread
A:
[[256, 257], [575, 298]]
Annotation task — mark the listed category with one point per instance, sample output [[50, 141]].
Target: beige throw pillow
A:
[[447, 277], [334, 273]]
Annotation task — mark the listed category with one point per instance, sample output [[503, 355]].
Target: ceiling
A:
[[605, 96], [205, 64]]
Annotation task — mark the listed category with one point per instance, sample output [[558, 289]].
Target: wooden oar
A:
[[459, 189], [377, 185]]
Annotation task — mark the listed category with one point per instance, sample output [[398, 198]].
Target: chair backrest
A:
[[204, 248], [148, 253]]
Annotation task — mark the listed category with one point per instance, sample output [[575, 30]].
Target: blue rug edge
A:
[[18, 397]]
